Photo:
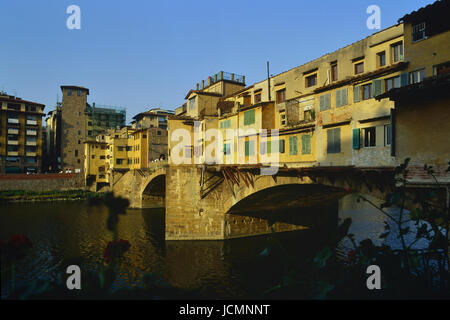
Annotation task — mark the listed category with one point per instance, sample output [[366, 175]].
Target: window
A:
[[293, 146], [69, 92], [76, 153], [158, 133], [283, 118], [393, 82], [367, 91], [369, 137], [225, 124], [79, 132], [311, 80], [130, 161], [102, 157], [89, 133], [306, 144], [441, 68], [119, 161], [144, 136], [417, 76], [381, 59], [93, 156], [281, 95], [334, 140], [359, 67], [79, 92], [90, 123], [325, 101], [249, 148], [119, 148], [192, 103], [227, 149], [334, 72], [307, 114], [257, 97], [387, 135], [418, 32], [341, 97], [249, 117], [397, 52], [129, 148]]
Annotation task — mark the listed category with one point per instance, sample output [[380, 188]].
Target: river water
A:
[[218, 269]]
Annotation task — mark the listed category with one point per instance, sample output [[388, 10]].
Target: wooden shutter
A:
[[294, 144], [377, 87], [281, 146], [356, 137], [393, 132], [338, 98], [356, 93], [328, 100], [344, 97], [247, 148], [322, 102], [404, 79]]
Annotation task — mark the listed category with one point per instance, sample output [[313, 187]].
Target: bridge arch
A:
[[153, 190]]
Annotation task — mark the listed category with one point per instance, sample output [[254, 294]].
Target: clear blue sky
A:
[[142, 54]]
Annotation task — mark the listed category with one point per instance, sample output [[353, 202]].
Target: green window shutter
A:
[[404, 79], [356, 136], [337, 139], [377, 87], [356, 93], [322, 103], [249, 117], [328, 100], [247, 148], [393, 132], [262, 147], [281, 146], [291, 146], [344, 96], [306, 144], [294, 143], [251, 147], [269, 146], [338, 98]]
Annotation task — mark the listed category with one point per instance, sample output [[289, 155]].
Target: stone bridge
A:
[[222, 202], [144, 188]]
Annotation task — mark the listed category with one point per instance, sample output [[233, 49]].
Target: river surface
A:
[[218, 269]]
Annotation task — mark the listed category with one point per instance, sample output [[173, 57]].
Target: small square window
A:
[[311, 80], [359, 67], [381, 59]]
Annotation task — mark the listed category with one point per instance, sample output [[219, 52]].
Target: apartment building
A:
[[20, 135], [153, 118]]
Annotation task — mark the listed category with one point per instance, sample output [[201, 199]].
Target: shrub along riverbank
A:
[[54, 195]]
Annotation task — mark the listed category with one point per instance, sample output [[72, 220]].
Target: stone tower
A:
[[73, 127]]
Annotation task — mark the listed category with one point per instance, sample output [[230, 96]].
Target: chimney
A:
[[221, 75], [197, 86], [232, 77], [215, 77], [243, 80], [209, 81], [203, 84]]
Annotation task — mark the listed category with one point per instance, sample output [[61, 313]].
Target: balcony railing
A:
[[31, 132], [32, 122], [13, 142], [13, 120], [13, 131]]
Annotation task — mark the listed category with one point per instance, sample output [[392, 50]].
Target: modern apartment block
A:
[[20, 135], [82, 122]]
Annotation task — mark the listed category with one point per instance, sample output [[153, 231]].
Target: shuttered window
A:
[[334, 140], [249, 148], [341, 97], [325, 101], [293, 146], [306, 144], [377, 87], [356, 135], [356, 93], [249, 117]]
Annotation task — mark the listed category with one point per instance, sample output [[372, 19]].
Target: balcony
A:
[[32, 122], [31, 154], [13, 131], [13, 142], [13, 153], [31, 132], [31, 143], [13, 120]]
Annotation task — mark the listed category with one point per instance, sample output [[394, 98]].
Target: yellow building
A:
[[153, 118], [20, 135]]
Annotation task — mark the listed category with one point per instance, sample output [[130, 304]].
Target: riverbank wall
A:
[[41, 182]]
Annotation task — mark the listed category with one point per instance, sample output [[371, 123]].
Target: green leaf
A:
[[322, 256]]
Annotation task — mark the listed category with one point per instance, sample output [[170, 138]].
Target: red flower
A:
[[348, 189], [115, 249]]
